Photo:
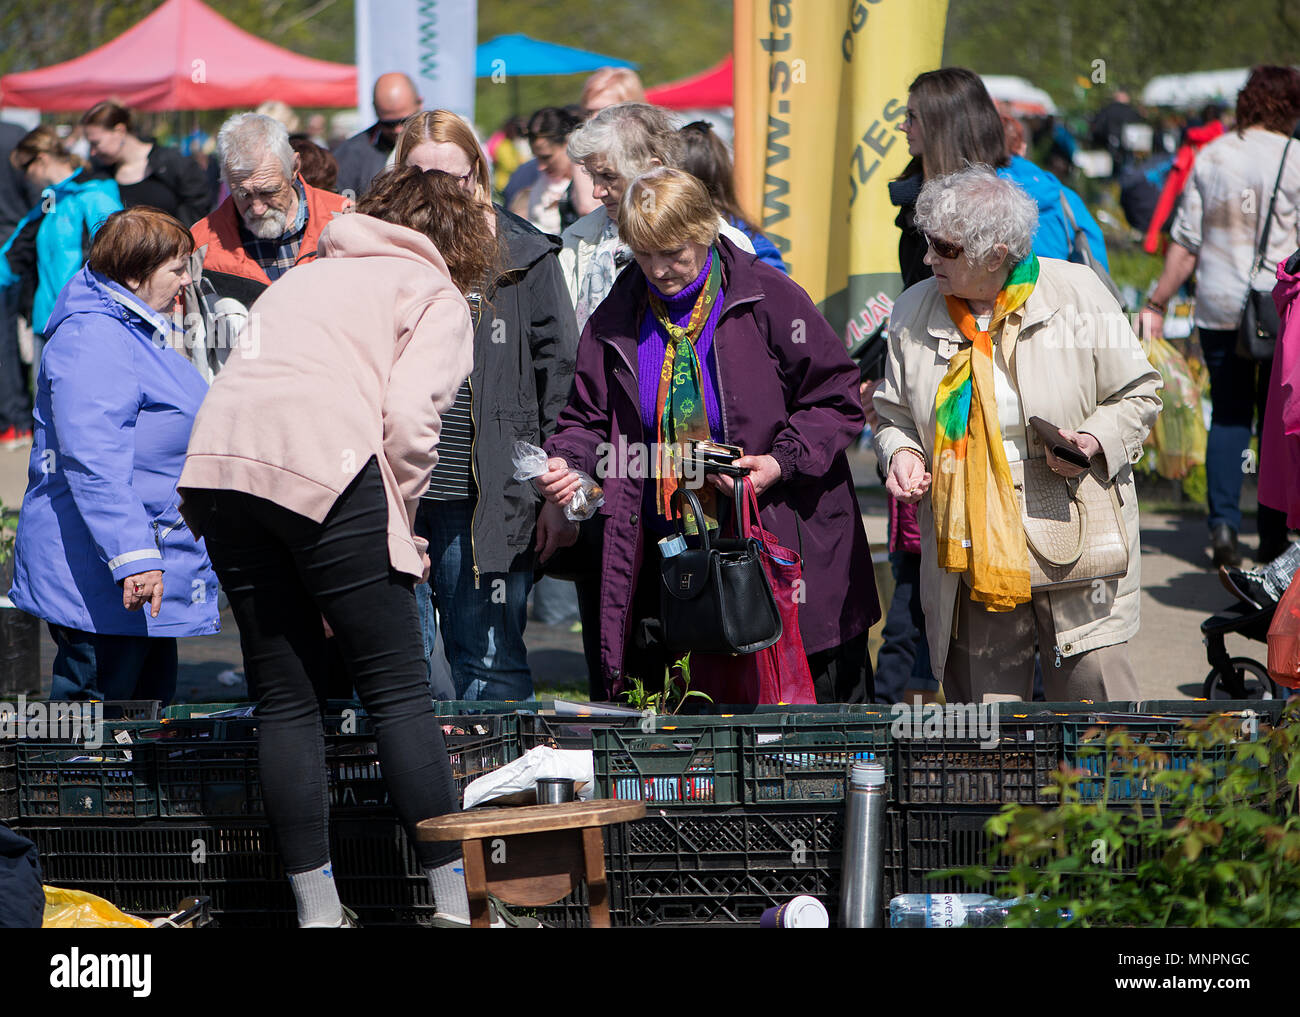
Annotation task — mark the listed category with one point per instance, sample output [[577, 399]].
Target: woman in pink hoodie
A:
[[305, 466]]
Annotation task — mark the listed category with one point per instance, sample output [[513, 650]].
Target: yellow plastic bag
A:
[[1178, 437], [73, 909]]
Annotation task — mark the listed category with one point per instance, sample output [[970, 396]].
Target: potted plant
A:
[[20, 633]]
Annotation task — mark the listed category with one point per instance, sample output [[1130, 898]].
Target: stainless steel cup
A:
[[554, 790]]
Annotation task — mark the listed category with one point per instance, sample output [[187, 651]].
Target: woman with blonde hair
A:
[[480, 523], [692, 343]]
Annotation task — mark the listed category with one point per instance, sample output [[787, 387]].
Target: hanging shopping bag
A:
[[1284, 638], [783, 675], [1179, 435]]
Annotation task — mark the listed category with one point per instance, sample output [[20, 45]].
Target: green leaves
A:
[[1217, 847]]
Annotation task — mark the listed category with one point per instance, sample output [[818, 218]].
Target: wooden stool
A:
[[534, 855]]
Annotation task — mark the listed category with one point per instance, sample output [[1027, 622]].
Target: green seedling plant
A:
[[1212, 841], [674, 695]]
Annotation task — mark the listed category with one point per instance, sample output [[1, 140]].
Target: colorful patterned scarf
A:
[[976, 515], [682, 415]]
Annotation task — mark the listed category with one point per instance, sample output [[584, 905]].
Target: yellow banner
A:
[[821, 90]]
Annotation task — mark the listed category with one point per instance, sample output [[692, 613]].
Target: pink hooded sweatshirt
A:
[[356, 354], [1279, 456]]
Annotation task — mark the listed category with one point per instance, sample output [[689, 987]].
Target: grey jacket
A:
[[525, 347]]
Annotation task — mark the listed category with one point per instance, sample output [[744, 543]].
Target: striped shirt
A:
[[453, 475]]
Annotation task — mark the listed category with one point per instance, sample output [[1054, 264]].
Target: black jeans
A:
[[15, 400], [281, 572]]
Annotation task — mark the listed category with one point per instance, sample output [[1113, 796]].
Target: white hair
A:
[[629, 136], [977, 209], [246, 139]]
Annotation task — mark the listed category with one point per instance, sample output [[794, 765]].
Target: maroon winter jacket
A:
[[786, 388]]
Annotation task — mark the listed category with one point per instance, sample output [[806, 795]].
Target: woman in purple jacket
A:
[[767, 373]]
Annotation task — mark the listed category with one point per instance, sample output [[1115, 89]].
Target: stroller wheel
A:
[[1248, 679]]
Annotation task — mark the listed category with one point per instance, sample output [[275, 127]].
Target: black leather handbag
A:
[[1260, 323], [715, 598]]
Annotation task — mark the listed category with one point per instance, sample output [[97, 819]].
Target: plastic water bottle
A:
[[864, 839], [947, 911]]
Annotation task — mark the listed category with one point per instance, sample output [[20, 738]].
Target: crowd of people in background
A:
[[299, 378], [257, 199]]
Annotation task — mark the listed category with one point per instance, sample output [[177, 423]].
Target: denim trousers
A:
[[282, 572], [903, 661], [483, 627], [88, 665]]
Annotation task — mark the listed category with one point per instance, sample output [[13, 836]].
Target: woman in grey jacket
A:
[[479, 521]]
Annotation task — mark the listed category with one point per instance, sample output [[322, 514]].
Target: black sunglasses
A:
[[944, 248]]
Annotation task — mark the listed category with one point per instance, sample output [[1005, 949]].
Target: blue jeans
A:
[[90, 666], [1238, 388], [903, 661], [483, 628]]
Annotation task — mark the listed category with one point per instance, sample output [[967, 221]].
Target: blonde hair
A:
[[442, 126], [664, 209], [43, 140], [282, 111], [623, 82]]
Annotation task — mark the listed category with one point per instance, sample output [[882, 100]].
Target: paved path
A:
[[1179, 591]]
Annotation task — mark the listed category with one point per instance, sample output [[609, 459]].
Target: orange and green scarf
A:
[[682, 413], [976, 515]]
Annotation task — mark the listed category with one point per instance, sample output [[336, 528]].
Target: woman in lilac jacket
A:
[[775, 380]]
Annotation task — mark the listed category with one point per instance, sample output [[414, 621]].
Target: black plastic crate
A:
[[1014, 764], [674, 765], [728, 867], [145, 868], [131, 709], [198, 779], [1264, 709], [1107, 774], [562, 732], [941, 839], [806, 758], [8, 782], [61, 780]]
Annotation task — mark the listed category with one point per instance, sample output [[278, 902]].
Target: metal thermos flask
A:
[[861, 887]]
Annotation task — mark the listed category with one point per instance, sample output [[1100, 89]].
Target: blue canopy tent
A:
[[516, 56]]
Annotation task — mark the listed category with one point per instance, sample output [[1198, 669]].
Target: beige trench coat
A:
[[1076, 363]]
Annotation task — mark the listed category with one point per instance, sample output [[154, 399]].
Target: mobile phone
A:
[[1062, 449]]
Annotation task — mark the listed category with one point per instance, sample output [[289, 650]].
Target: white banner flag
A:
[[432, 41]]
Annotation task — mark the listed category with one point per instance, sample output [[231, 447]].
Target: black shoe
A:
[[1223, 542], [1246, 586]]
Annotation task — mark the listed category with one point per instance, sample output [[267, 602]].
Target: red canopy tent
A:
[[707, 90], [183, 56]]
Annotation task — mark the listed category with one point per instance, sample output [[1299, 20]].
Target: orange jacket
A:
[[220, 231]]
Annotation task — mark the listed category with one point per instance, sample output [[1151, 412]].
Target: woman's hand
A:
[[867, 389], [143, 588], [908, 479], [554, 531], [1151, 323], [764, 472], [1085, 443], [426, 566], [557, 484]]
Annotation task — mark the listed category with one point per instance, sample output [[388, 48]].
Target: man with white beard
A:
[[273, 218]]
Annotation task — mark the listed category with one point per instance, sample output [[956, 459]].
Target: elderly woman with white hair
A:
[[615, 146], [1016, 400]]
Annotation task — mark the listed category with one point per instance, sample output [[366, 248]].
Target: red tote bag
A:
[[778, 674]]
